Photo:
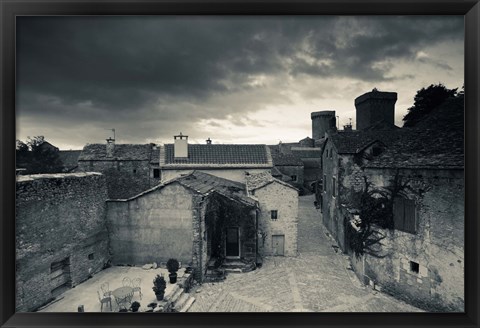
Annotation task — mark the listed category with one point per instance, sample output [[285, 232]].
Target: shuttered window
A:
[[334, 186], [404, 215]]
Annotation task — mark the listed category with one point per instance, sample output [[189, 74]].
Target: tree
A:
[[425, 101], [36, 158]]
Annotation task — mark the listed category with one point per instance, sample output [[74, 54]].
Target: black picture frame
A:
[[9, 9]]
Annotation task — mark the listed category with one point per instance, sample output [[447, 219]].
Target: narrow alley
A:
[[317, 280]]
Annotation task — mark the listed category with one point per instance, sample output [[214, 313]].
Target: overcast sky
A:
[[231, 79]]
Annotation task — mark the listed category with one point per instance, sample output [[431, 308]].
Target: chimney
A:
[[181, 146], [110, 147], [322, 122], [374, 107], [209, 142]]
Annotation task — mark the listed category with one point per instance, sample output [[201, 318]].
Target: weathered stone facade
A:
[[437, 247], [234, 174], [152, 227], [125, 178], [61, 235], [282, 198]]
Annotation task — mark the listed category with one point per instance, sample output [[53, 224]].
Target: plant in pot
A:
[[172, 267], [159, 285], [135, 306]]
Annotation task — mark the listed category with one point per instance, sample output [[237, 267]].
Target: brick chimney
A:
[[374, 107], [110, 147], [180, 146]]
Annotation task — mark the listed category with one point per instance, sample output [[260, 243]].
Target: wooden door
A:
[[232, 243], [278, 244]]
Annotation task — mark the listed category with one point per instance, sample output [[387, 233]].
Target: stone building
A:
[[199, 218], [277, 215], [61, 235], [425, 251], [421, 257], [229, 161], [128, 168], [289, 168]]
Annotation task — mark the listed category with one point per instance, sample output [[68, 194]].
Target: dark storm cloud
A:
[[144, 68]]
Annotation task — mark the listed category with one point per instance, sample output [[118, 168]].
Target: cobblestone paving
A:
[[316, 280]]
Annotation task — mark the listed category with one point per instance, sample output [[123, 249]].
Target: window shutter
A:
[[398, 213], [410, 224]]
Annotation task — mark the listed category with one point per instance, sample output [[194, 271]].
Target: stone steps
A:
[[181, 301], [188, 304], [238, 266], [176, 295]]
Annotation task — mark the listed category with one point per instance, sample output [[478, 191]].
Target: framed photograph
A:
[[195, 163]]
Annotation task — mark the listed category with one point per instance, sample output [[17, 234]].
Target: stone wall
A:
[[276, 196], [153, 227], [330, 202], [437, 246], [292, 170], [234, 174], [59, 217], [125, 179]]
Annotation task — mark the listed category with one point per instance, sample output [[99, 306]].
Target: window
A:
[[274, 215], [324, 183], [156, 173], [414, 267], [134, 171], [334, 186], [404, 218], [90, 256], [331, 153], [294, 177]]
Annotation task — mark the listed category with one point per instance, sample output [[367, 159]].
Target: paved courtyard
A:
[[86, 293], [317, 280]]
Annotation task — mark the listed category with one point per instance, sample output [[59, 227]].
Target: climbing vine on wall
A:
[[222, 213], [375, 211]]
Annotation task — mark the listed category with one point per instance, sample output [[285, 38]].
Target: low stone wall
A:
[[61, 235]]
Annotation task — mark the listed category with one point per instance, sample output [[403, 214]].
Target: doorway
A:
[[232, 243], [278, 244]]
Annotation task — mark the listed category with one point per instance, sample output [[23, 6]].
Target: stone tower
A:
[[322, 122], [374, 107]]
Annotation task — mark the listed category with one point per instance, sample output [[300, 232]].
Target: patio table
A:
[[123, 296]]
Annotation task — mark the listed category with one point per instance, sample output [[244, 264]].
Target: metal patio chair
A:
[[106, 289], [104, 300], [127, 282], [136, 286]]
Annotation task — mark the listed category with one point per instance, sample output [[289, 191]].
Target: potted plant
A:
[[172, 267], [159, 285], [135, 306]]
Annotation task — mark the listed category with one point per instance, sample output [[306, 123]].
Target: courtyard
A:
[[86, 293], [317, 280]]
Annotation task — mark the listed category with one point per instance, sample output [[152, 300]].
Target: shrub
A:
[[159, 284], [172, 265]]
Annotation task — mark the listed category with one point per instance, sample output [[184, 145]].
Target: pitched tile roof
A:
[[286, 160], [355, 141], [259, 180], [205, 184], [217, 156], [435, 142], [98, 152], [306, 152]]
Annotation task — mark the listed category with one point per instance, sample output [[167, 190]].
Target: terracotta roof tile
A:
[[239, 155], [435, 142]]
